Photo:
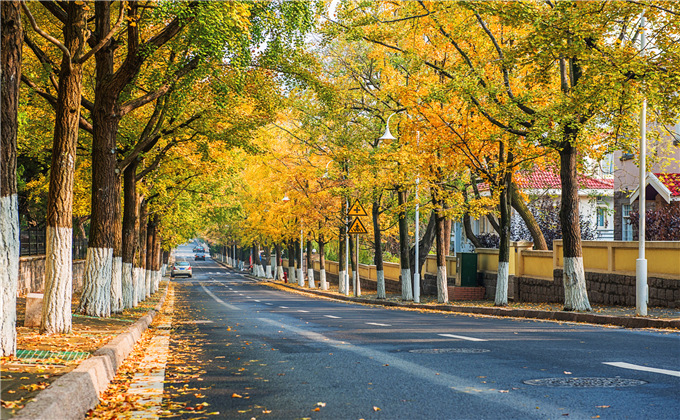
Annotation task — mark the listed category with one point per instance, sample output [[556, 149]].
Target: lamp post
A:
[[641, 262], [416, 275]]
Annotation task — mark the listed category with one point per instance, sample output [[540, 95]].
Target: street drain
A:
[[585, 382], [450, 350], [36, 356]]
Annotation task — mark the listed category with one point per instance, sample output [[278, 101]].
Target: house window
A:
[[601, 217], [626, 227]]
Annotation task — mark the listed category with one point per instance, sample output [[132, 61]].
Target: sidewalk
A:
[[41, 360], [613, 316]]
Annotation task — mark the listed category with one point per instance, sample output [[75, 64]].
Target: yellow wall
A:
[[538, 264], [595, 258]]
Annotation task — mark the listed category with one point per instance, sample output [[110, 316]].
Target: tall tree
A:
[[10, 59]]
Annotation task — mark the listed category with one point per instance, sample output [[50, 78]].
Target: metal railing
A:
[[32, 241]]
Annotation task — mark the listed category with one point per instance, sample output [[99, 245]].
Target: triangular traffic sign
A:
[[357, 227], [357, 210]]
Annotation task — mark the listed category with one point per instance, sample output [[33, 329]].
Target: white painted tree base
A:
[[406, 290], [9, 272], [442, 285], [380, 292], [148, 284], [301, 277], [268, 271], [117, 285], [310, 278], [502, 284], [128, 284], [157, 280], [323, 284], [96, 297], [291, 275], [356, 284], [139, 284], [279, 275], [574, 279], [57, 296], [341, 282]]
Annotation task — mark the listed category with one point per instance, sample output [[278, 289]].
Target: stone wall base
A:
[[32, 275]]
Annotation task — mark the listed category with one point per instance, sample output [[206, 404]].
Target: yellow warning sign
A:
[[357, 210], [357, 227]]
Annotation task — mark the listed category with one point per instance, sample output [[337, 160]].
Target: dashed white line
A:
[[378, 324], [257, 300], [267, 303], [283, 307], [625, 365], [248, 297], [462, 337], [302, 310], [332, 316]]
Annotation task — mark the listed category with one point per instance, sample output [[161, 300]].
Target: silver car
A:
[[181, 268]]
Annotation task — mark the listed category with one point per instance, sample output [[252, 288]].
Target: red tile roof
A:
[[542, 179], [671, 181]]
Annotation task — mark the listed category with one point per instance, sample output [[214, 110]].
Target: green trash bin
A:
[[468, 269]]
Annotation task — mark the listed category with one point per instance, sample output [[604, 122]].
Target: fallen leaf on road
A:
[[235, 395], [317, 409], [321, 404], [567, 373], [376, 408], [603, 406]]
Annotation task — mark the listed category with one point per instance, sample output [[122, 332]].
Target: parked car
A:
[[199, 256], [181, 268]]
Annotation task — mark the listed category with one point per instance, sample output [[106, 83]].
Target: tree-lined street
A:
[[281, 353]]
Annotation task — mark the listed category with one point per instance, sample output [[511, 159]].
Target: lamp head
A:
[[285, 198], [387, 135]]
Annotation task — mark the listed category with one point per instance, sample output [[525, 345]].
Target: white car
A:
[[181, 268]]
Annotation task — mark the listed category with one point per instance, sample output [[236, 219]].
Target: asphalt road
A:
[[258, 352]]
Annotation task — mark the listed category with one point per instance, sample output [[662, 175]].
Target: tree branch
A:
[[102, 42], [44, 34]]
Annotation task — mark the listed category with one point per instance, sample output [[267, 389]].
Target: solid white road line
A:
[[302, 310], [462, 337], [283, 307], [378, 324], [267, 303], [625, 365], [257, 300], [332, 316]]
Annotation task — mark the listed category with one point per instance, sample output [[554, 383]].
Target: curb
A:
[[74, 394], [560, 316]]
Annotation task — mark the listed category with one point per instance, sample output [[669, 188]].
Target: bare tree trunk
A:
[[56, 312], [501, 298], [130, 232], [291, 261], [467, 226], [267, 262], [378, 254], [573, 277], [424, 246], [10, 77], [406, 289], [117, 267], [310, 265], [322, 263], [156, 277], [279, 267], [140, 271], [148, 273], [528, 217], [442, 245]]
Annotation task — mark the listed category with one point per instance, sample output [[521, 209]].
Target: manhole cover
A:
[[585, 382], [452, 350]]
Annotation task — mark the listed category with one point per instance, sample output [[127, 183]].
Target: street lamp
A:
[[416, 275]]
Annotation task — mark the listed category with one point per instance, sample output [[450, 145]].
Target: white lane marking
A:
[[332, 316], [455, 383], [283, 307], [302, 310], [256, 300], [225, 304], [248, 297], [462, 337], [625, 365], [378, 324], [267, 303]]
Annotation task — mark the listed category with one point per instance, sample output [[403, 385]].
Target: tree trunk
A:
[[424, 246], [342, 273], [148, 273], [406, 289], [310, 265], [267, 262], [378, 254], [10, 77], [528, 217], [130, 232], [448, 223], [501, 298], [291, 261], [300, 265], [467, 226], [56, 312], [156, 277], [140, 271], [354, 264], [322, 263], [442, 245], [279, 267], [573, 277], [117, 270]]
